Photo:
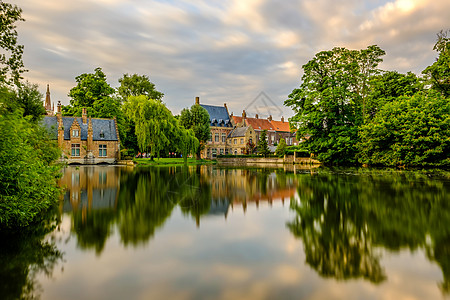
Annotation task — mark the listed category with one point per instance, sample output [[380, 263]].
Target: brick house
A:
[[85, 140], [240, 140], [275, 129], [221, 126]]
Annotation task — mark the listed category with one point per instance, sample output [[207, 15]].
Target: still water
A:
[[207, 232]]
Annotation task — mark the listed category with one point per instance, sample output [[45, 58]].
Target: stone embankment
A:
[[287, 159]]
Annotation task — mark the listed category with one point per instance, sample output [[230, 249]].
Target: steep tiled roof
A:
[[238, 132], [52, 126], [257, 124], [105, 126], [281, 126], [218, 115]]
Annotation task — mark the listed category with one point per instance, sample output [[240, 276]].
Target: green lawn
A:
[[170, 161]]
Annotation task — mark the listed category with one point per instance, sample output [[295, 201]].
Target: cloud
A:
[[224, 51]]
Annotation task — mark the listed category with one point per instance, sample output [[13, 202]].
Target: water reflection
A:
[[346, 220], [24, 255], [138, 201], [343, 219]]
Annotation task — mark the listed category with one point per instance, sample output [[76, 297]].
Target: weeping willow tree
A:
[[186, 142], [156, 128]]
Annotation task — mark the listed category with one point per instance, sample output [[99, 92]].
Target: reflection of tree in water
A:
[[23, 256], [93, 227], [330, 222], [343, 218], [143, 204], [147, 198], [193, 193]]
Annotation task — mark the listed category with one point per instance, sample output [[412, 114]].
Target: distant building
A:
[[275, 129], [242, 140], [221, 126], [84, 140]]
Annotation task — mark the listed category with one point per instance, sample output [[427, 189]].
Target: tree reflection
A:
[[343, 218], [24, 255], [330, 222], [144, 204]]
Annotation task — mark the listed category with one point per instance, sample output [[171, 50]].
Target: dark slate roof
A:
[[238, 131], [105, 126], [52, 126], [218, 115]]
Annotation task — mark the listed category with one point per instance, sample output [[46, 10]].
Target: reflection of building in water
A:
[[90, 188], [242, 186]]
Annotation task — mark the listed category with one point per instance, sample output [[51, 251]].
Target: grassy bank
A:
[[170, 161]]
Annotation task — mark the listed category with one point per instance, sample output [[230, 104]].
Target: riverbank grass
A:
[[171, 161]]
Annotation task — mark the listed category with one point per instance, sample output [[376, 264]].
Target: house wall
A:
[[217, 145], [241, 142], [112, 151]]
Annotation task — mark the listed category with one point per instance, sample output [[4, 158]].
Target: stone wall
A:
[[288, 159]]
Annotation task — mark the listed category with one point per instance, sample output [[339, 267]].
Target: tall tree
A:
[[197, 119], [281, 148], [11, 64], [438, 73], [137, 85], [330, 102], [263, 148], [93, 92]]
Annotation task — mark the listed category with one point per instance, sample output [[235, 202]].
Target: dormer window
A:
[[102, 134], [75, 133]]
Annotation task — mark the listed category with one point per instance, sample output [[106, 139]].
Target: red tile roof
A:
[[264, 124], [281, 126]]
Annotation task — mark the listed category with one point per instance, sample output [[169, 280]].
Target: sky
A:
[[246, 53]]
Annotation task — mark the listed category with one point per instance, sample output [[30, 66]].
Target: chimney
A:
[[197, 100], [244, 115], [269, 118], [58, 107], [84, 115], [256, 116], [282, 119]]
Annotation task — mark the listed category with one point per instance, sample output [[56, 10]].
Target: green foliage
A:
[[156, 128], [281, 148], [26, 97], [330, 103], [137, 85], [92, 91], [197, 119], [262, 147], [11, 64], [438, 74], [411, 131], [387, 87], [28, 185]]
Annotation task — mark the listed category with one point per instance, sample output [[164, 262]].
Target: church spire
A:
[[48, 104]]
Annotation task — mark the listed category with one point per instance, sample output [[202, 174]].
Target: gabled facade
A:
[[242, 140], [85, 140], [221, 126]]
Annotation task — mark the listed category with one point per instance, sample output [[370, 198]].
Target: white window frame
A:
[[102, 150], [74, 148]]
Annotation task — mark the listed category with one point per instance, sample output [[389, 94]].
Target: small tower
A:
[[48, 104]]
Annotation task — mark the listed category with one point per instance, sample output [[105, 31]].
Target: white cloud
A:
[[222, 50]]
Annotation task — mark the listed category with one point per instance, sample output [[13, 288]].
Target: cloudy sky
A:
[[220, 50]]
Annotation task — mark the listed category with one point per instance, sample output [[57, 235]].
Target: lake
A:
[[207, 232]]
